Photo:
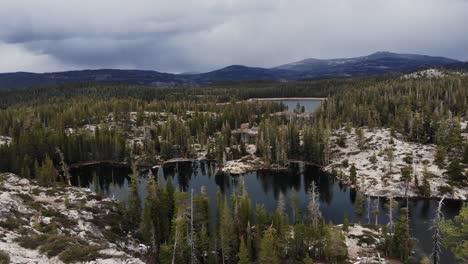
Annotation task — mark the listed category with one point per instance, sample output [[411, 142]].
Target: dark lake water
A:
[[336, 200], [309, 105]]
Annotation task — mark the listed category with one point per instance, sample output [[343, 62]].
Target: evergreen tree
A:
[[440, 156], [45, 173], [402, 239], [269, 253], [456, 235], [406, 176], [455, 172], [345, 223], [134, 201], [243, 255], [360, 205], [227, 235], [353, 174]]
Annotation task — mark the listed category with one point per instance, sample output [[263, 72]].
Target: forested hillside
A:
[[47, 130], [426, 110]]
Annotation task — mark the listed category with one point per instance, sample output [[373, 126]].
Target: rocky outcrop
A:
[[379, 175], [246, 164], [362, 243], [62, 225]]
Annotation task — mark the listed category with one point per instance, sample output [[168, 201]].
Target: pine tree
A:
[[295, 206], [353, 174], [456, 235], [440, 155], [170, 196], [151, 217], [345, 223], [402, 237], [455, 172], [426, 186], [261, 217], [45, 173], [360, 205], [243, 255], [269, 253], [406, 176], [227, 234], [134, 201]]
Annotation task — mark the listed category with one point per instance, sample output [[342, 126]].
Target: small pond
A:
[[309, 105]]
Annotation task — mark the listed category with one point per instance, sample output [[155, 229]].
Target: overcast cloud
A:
[[201, 35]]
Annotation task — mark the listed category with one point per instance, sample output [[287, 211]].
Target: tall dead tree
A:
[[436, 237], [390, 215], [193, 256], [63, 166], [314, 206]]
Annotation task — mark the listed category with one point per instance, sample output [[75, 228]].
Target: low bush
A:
[[54, 245], [4, 257], [32, 242], [81, 254]]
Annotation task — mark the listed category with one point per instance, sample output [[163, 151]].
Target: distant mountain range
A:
[[376, 63]]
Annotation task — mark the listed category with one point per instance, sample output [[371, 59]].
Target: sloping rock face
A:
[[62, 225], [382, 177]]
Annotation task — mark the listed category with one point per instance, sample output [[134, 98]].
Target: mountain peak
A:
[[376, 63]]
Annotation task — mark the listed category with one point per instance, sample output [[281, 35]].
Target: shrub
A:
[[32, 242], [81, 254], [446, 189], [455, 172], [4, 257], [373, 158], [408, 159], [345, 163], [54, 245], [10, 223], [341, 141]]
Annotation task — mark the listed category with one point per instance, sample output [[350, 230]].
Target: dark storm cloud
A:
[[186, 35]]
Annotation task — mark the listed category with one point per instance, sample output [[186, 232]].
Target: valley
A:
[[220, 173]]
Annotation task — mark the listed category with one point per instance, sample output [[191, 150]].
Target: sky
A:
[[203, 35]]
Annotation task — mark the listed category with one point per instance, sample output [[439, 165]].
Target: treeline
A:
[[180, 228], [425, 110], [167, 129], [278, 142], [220, 92], [38, 144]]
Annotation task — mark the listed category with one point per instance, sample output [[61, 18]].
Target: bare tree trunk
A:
[[175, 245], [368, 201], [63, 164], [436, 237], [390, 215], [376, 212], [193, 257]]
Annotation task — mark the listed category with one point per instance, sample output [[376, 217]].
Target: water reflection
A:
[[264, 187]]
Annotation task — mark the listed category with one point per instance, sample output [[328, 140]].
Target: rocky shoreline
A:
[[62, 225], [379, 175]]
